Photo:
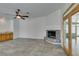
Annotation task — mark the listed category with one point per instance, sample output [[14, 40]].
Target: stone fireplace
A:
[[53, 36]]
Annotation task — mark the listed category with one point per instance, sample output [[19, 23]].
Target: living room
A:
[[32, 31]]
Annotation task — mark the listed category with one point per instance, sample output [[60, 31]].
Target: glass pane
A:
[[75, 34], [77, 46], [77, 37], [66, 33], [77, 31]]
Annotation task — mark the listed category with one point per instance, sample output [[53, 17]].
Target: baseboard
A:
[[29, 38]]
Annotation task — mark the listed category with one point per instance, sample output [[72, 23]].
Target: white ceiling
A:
[[35, 9]]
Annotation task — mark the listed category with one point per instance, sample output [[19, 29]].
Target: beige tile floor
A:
[[29, 47]]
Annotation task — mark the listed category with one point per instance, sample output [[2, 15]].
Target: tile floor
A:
[[29, 47]]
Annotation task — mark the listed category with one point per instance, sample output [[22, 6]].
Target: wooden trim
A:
[[63, 33], [66, 49], [68, 9], [72, 12], [70, 36]]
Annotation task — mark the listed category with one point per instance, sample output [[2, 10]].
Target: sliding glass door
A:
[[75, 34]]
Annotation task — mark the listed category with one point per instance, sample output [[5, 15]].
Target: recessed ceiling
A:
[[35, 9]]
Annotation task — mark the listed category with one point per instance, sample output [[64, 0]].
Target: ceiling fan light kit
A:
[[18, 17]]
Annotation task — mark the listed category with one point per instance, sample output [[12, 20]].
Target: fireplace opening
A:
[[51, 34]]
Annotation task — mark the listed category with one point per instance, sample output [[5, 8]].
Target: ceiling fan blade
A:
[[25, 16], [22, 18], [17, 13], [18, 10]]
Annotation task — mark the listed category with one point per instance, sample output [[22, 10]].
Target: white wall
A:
[[15, 28], [5, 25], [36, 27], [54, 21], [33, 28]]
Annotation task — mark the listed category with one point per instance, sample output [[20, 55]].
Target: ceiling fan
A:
[[20, 16]]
